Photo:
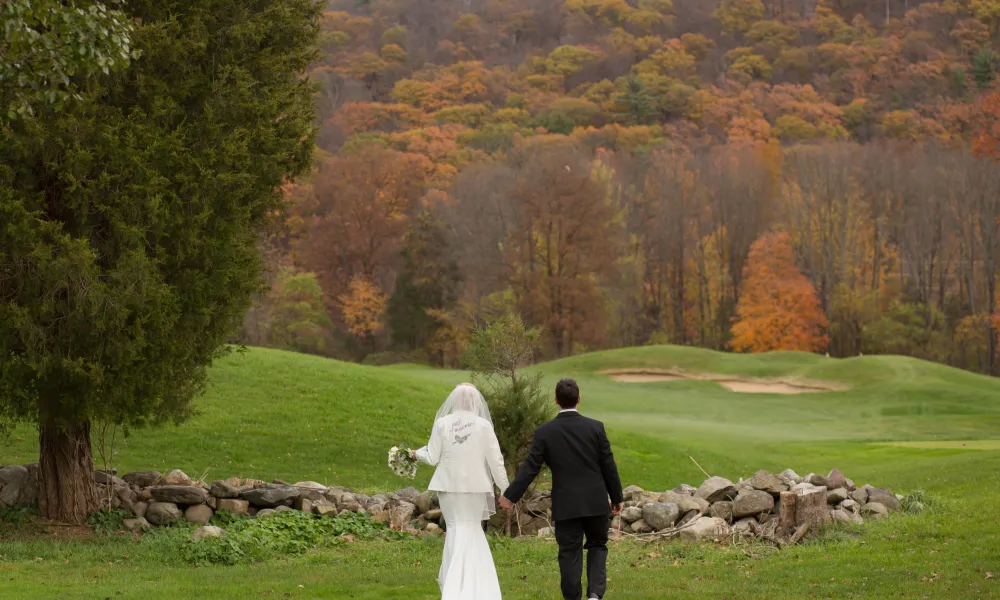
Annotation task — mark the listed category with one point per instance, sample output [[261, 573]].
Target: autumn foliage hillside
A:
[[607, 168]]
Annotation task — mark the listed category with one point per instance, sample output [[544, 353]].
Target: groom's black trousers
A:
[[569, 535]]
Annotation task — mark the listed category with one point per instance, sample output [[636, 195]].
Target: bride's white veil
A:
[[465, 398]]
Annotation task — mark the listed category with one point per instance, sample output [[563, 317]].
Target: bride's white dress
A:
[[466, 452], [467, 570]]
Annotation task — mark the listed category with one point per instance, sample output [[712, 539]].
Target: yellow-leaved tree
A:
[[364, 307]]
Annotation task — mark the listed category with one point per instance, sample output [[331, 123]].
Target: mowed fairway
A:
[[269, 414]]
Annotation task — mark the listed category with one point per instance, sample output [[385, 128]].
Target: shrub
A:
[[282, 534], [516, 401]]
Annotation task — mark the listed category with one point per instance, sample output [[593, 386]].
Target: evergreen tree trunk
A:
[[66, 485]]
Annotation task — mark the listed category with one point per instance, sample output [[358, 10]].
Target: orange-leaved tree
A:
[[987, 117], [778, 307], [364, 308]]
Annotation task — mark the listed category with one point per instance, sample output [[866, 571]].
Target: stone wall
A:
[[779, 504]]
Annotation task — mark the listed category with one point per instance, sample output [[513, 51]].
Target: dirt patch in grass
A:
[[735, 384], [42, 529]]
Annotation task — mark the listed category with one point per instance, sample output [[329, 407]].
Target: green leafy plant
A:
[[17, 516], [224, 518], [108, 521], [287, 533]]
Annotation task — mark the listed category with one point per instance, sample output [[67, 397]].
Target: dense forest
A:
[[744, 175]]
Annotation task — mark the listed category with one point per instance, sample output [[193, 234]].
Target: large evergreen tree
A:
[[128, 220]]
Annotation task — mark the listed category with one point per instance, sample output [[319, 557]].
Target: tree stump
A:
[[799, 508]]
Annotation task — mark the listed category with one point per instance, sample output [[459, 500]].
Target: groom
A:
[[584, 475]]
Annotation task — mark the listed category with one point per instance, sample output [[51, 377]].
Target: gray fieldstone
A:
[[137, 525], [630, 491], [837, 496], [766, 482], [224, 490], [792, 475], [752, 503], [641, 527], [818, 480], [885, 498], [177, 477], [689, 516], [705, 528], [722, 510], [142, 478], [163, 513], [745, 525], [875, 510], [631, 514], [103, 477], [409, 494], [234, 505], [11, 473], [400, 516], [198, 514], [208, 531], [325, 508], [20, 487], [716, 489], [270, 498], [836, 480], [179, 494], [423, 503], [660, 515]]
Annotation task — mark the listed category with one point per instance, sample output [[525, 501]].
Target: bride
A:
[[466, 452]]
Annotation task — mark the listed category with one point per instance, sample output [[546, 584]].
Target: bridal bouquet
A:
[[402, 463]]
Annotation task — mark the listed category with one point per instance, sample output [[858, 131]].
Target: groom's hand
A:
[[617, 509], [505, 503]]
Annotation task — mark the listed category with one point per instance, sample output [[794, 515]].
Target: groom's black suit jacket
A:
[[584, 474]]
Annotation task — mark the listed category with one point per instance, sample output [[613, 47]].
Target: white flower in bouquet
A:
[[402, 462]]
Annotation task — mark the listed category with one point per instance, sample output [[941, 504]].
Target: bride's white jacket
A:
[[467, 455]]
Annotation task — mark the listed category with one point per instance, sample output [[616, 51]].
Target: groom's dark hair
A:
[[567, 393]]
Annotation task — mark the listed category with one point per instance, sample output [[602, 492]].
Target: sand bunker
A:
[[735, 384], [752, 387], [644, 378], [948, 445]]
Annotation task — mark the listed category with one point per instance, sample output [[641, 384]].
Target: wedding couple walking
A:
[[586, 490]]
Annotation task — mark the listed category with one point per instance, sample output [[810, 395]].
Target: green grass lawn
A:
[[903, 423]]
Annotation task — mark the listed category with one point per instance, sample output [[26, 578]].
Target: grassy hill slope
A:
[[276, 414]]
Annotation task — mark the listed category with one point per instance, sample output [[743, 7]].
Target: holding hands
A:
[[505, 503]]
